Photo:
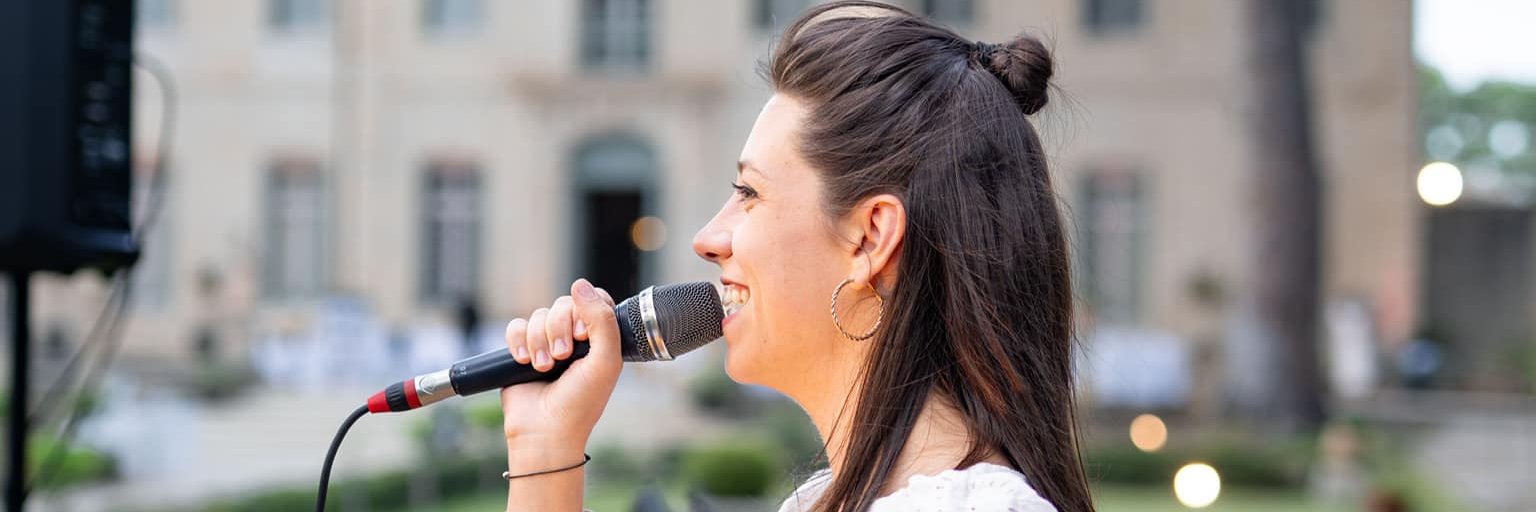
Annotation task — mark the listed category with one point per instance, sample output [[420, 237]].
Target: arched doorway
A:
[[615, 186]]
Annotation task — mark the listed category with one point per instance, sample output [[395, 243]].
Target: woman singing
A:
[[898, 266]]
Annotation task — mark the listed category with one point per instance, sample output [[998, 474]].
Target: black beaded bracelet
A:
[[507, 475]]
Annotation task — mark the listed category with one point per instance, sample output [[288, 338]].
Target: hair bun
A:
[[1025, 67]]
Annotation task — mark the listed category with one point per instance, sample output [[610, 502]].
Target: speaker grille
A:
[[689, 315]]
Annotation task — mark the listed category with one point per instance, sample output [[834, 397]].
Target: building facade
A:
[[419, 153]]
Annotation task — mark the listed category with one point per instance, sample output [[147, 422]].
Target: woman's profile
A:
[[897, 265]]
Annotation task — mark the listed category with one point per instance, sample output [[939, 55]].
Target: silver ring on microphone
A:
[[652, 327]]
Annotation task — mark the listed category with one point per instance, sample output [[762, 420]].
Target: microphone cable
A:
[[685, 316], [330, 455], [105, 335]]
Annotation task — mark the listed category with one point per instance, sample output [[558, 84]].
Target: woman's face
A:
[[778, 256]]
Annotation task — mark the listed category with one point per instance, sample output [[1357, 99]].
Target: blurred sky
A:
[[1475, 40]]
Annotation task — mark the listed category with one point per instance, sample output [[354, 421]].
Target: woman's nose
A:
[[713, 242]]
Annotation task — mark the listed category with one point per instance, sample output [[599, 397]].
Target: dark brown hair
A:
[[980, 315]]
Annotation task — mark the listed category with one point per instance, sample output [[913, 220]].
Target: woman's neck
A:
[[939, 439]]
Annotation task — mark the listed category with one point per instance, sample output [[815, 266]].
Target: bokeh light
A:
[[648, 233], [1440, 183], [1509, 139], [1196, 485], [1148, 433]]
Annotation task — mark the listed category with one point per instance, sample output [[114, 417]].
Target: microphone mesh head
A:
[[634, 344], [688, 316]]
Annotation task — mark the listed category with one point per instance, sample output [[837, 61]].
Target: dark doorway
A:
[[1478, 290], [612, 261], [614, 185]]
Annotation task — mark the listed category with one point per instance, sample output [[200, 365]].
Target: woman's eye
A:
[[744, 191]]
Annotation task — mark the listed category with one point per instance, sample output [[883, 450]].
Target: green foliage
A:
[[1269, 466], [462, 428], [86, 404], [290, 499], [222, 381], [1522, 363], [1414, 491], [792, 431], [1393, 474], [614, 462], [734, 469], [1242, 463], [381, 492], [1126, 465], [79, 465], [715, 393], [776, 418], [1160, 498], [1471, 114], [755, 458], [484, 416], [668, 461]]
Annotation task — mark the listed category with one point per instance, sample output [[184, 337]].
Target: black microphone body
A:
[[497, 369], [656, 325]]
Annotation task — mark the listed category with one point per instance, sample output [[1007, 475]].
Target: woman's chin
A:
[[737, 365]]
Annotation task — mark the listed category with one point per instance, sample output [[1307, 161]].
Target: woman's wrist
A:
[[526, 455], [554, 487]]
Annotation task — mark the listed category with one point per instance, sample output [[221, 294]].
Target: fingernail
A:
[[522, 352], [581, 327], [561, 346], [543, 359], [585, 289]]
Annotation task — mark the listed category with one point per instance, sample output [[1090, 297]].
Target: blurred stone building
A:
[[420, 153]]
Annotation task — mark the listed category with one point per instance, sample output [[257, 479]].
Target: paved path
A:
[[270, 439], [1479, 447], [182, 455]]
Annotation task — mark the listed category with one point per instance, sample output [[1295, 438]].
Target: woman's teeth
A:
[[734, 299]]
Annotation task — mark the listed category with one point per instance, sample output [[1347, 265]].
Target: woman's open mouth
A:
[[733, 298]]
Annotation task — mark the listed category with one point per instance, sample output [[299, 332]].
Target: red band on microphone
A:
[[410, 394], [378, 403]]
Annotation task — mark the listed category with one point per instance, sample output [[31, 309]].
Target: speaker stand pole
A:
[[16, 477]]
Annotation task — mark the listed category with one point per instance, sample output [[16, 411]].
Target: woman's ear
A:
[[879, 225]]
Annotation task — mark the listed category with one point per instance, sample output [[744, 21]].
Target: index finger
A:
[[593, 308]]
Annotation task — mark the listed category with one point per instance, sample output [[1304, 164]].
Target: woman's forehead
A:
[[771, 144]]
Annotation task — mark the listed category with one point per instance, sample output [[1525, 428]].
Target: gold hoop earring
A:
[[839, 324]]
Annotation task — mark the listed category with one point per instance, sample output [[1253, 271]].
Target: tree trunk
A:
[[1287, 212]]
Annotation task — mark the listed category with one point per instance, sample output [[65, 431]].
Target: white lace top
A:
[[983, 487]]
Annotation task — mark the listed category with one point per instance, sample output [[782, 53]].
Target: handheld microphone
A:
[[659, 324]]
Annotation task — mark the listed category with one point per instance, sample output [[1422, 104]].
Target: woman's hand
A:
[[556, 418]]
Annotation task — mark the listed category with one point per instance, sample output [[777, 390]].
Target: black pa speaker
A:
[[65, 151]]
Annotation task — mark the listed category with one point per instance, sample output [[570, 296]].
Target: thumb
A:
[[597, 314]]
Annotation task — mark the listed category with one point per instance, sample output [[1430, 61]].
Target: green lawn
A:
[[495, 502], [477, 503], [1115, 498], [1108, 499], [603, 498]]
